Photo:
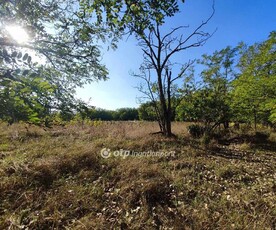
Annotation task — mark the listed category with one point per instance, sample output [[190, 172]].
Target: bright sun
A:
[[18, 33]]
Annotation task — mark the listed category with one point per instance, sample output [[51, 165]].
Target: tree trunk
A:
[[226, 124], [169, 107], [165, 116]]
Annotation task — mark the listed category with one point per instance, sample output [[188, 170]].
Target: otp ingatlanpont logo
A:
[[105, 153]]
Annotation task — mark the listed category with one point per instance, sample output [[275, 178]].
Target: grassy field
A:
[[57, 178]]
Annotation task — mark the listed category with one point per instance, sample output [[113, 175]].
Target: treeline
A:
[[236, 85], [92, 113], [145, 112]]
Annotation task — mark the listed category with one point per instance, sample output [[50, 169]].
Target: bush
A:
[[196, 131], [206, 139]]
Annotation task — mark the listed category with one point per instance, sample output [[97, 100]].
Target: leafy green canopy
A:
[[62, 53], [237, 85], [57, 32], [130, 16], [254, 91], [209, 102]]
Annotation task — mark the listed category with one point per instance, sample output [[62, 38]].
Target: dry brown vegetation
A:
[[57, 179]]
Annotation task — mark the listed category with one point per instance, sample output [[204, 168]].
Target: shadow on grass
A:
[[259, 141], [232, 147]]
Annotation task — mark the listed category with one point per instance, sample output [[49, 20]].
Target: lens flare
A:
[[17, 33]]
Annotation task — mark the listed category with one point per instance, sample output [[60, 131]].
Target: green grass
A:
[[57, 179]]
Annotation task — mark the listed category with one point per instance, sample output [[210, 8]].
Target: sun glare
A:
[[17, 33]]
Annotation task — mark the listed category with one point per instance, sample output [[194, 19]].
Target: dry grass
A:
[[57, 179]]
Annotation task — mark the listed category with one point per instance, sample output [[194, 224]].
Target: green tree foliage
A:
[[254, 94], [29, 98], [122, 114], [209, 102], [100, 114], [62, 36], [62, 53], [147, 112], [217, 75], [130, 16], [126, 114], [237, 84]]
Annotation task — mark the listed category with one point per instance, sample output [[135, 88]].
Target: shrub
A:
[[206, 140], [196, 131]]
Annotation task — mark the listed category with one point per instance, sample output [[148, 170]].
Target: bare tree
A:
[[158, 51]]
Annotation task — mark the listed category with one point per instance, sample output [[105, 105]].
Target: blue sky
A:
[[235, 20]]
